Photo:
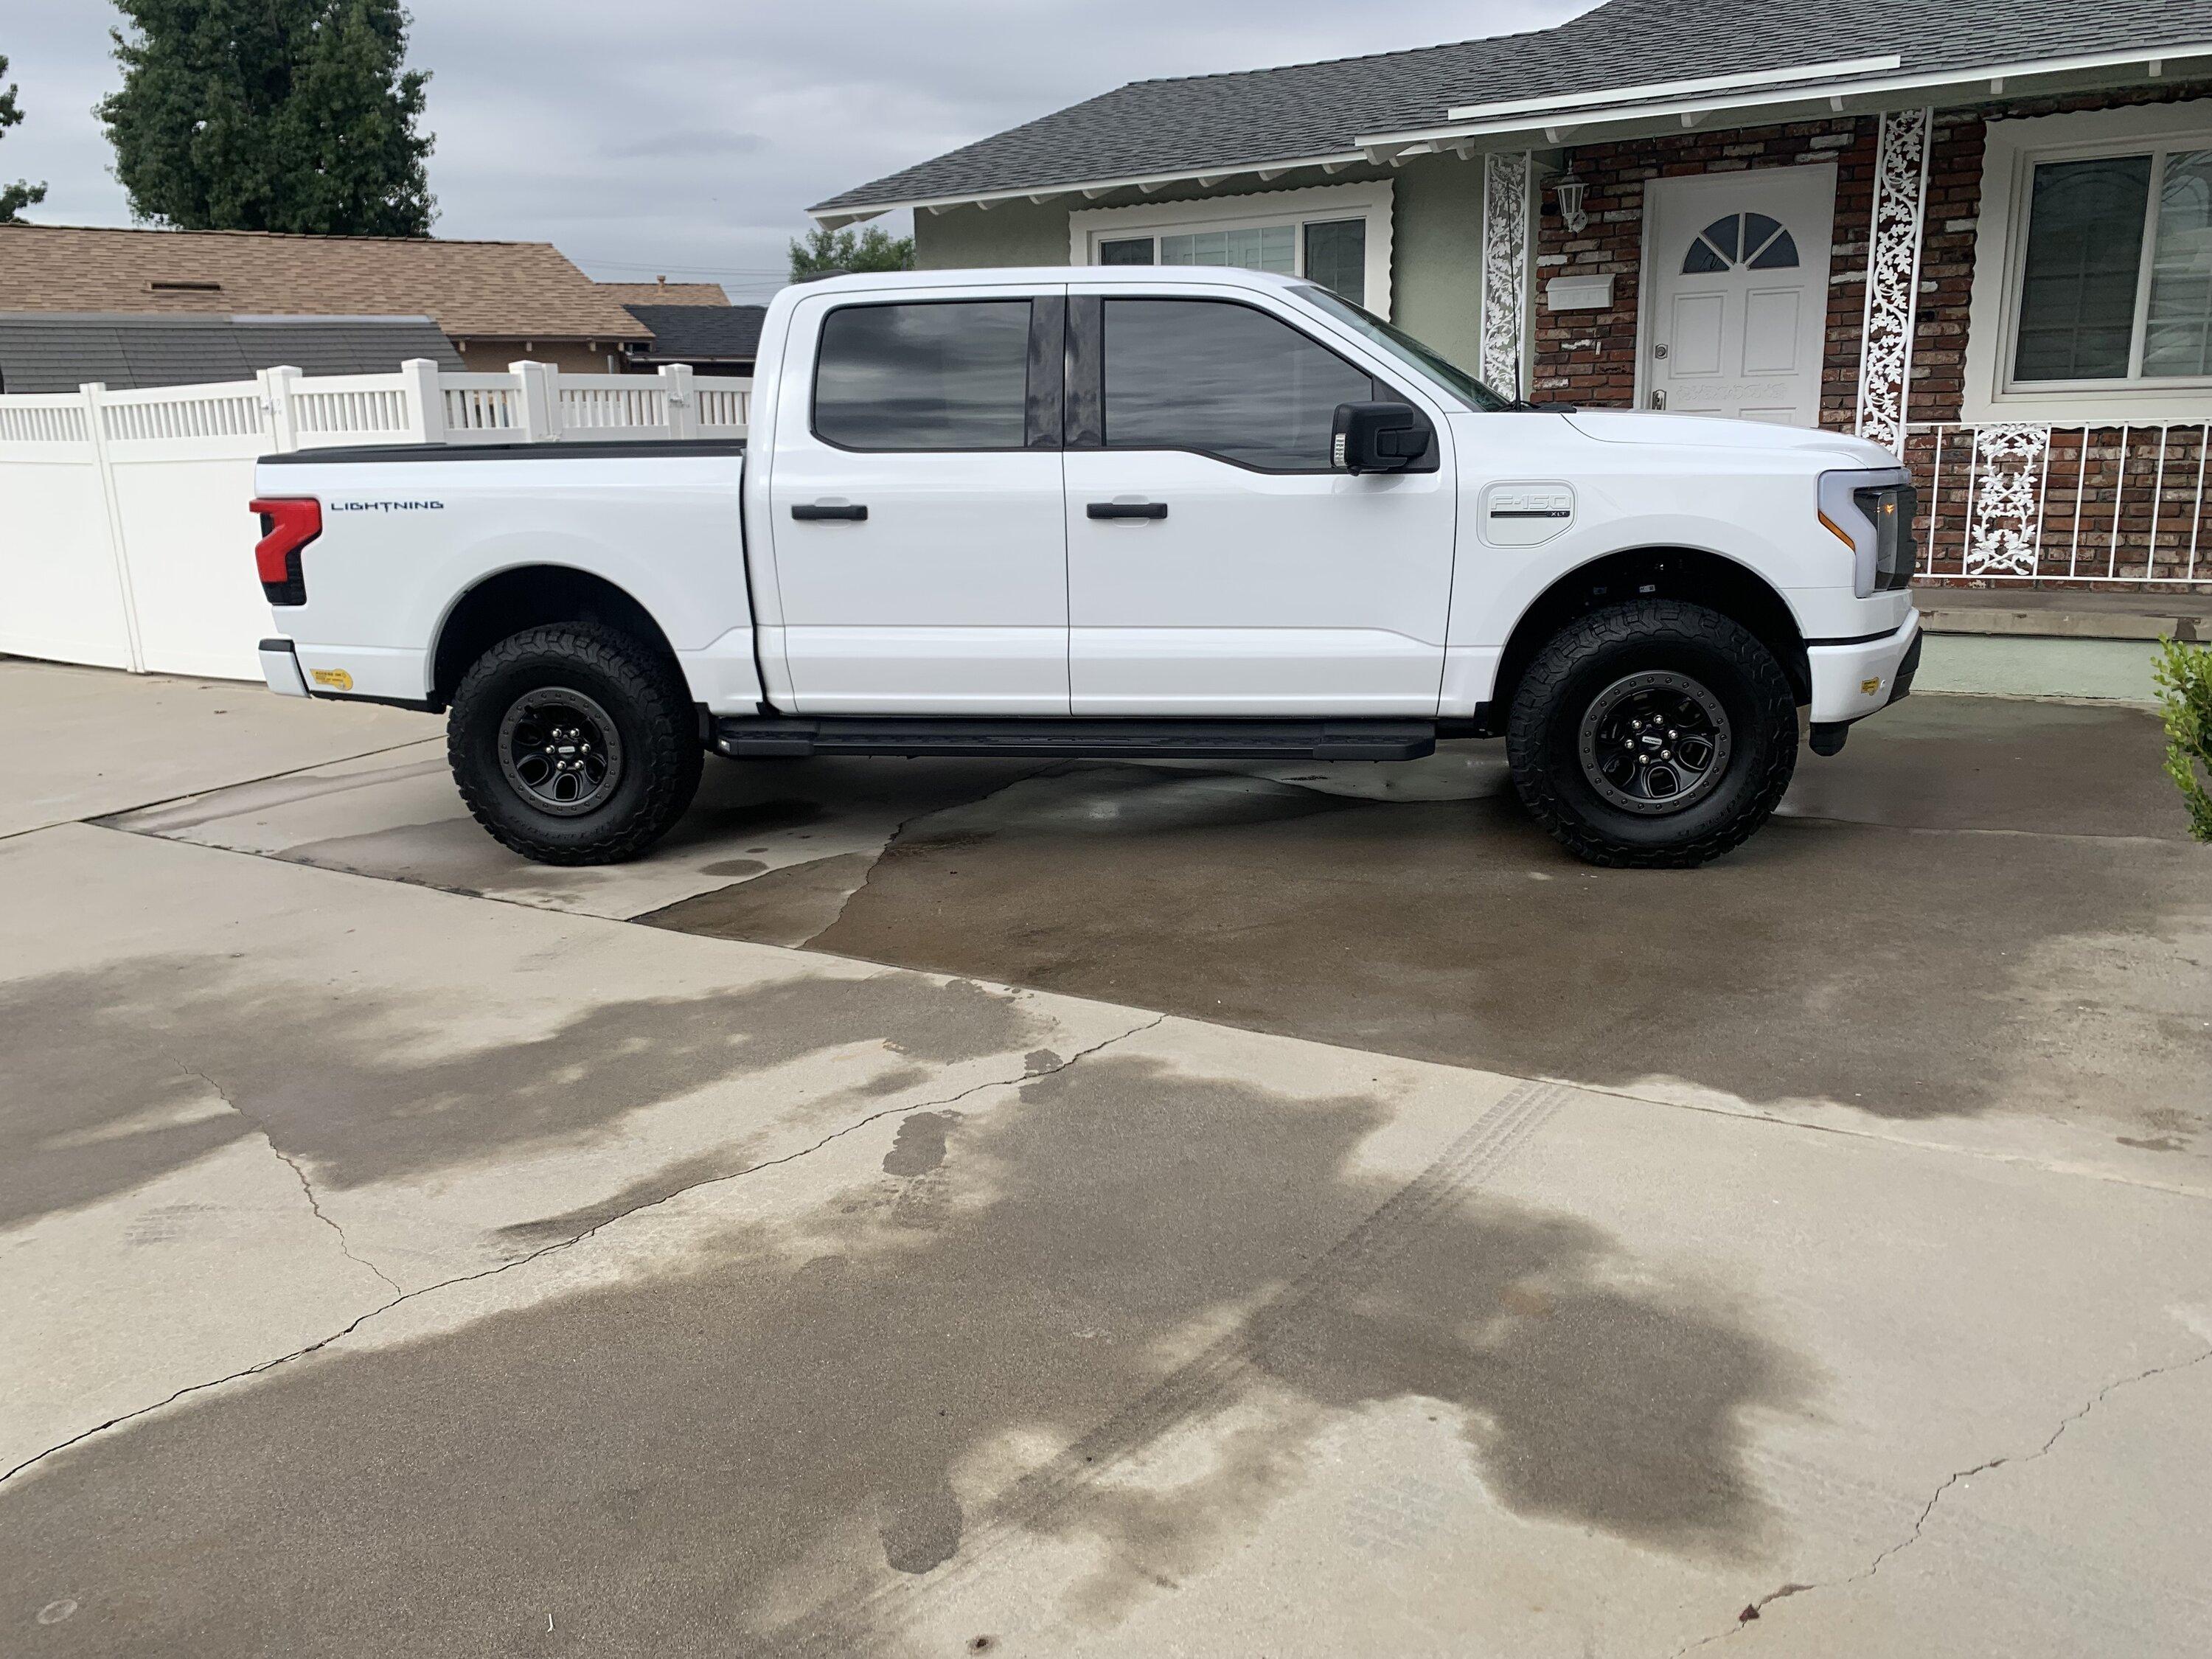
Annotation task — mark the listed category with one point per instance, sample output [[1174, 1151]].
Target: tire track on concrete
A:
[[1209, 1381]]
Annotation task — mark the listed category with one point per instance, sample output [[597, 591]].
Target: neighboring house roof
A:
[[54, 351], [489, 290], [691, 334], [1332, 110], [665, 293]]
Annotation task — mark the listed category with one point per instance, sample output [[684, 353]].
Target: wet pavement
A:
[[1981, 904], [977, 1207]]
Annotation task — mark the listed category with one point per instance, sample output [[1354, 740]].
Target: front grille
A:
[[1894, 511]]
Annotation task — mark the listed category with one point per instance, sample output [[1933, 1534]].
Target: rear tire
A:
[[573, 743], [1653, 735]]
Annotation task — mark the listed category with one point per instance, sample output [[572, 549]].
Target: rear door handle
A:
[[812, 511], [1127, 509]]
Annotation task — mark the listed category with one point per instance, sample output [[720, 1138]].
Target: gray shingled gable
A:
[[701, 333], [48, 351], [1309, 110]]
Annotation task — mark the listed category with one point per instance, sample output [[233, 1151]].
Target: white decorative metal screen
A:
[[1893, 275], [1504, 267]]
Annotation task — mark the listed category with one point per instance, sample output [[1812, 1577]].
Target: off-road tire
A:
[[639, 688], [1574, 669]]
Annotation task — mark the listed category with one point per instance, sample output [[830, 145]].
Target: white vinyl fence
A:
[[125, 540]]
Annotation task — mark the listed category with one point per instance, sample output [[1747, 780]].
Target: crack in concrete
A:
[[1920, 1521], [306, 1186], [1747, 1113], [544, 1251]]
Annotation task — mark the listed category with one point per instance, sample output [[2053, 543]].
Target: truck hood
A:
[[1709, 432]]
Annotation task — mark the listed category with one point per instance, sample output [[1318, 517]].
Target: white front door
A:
[[917, 509], [1736, 278], [1217, 563]]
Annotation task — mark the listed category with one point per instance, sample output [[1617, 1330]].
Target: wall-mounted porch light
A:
[[1568, 190]]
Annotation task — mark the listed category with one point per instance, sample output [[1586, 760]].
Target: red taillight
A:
[[288, 524]]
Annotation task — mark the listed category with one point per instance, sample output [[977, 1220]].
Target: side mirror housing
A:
[[1378, 437]]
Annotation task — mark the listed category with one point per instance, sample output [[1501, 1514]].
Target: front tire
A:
[[1653, 735], [573, 743]]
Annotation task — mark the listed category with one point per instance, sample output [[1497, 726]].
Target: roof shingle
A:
[[1305, 110], [53, 351], [487, 290], [664, 293], [703, 333]]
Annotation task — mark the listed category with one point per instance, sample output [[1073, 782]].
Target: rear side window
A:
[[951, 374], [1224, 379]]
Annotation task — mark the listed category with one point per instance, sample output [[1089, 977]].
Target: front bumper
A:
[[1851, 681]]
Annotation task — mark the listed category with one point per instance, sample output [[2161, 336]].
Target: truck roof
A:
[[1226, 276]]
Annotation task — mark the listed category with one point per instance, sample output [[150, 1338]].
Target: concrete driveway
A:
[[1101, 1210]]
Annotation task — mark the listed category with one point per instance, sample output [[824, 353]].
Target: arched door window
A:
[[1745, 241]]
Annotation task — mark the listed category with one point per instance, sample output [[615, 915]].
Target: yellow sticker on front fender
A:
[[1867, 688], [337, 679]]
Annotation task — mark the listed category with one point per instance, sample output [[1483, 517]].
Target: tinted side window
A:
[[948, 375], [1224, 379]]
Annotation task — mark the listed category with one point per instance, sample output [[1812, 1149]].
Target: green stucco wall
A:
[[1436, 240]]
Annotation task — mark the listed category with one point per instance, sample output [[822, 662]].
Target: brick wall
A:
[[1953, 215], [1590, 357]]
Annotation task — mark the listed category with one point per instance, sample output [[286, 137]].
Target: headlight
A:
[[1873, 514]]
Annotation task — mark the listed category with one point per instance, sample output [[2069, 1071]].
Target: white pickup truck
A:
[[1109, 512]]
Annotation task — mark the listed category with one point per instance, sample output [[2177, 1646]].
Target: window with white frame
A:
[[1336, 236], [2112, 275]]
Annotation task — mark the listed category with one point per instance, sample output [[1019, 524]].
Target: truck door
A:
[[1217, 564], [916, 505]]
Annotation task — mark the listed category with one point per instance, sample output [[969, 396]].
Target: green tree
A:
[[292, 115], [826, 252], [15, 197]]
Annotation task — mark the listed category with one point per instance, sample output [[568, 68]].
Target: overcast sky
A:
[[688, 137]]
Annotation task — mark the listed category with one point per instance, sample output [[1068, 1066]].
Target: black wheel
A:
[[573, 743], [1654, 735]]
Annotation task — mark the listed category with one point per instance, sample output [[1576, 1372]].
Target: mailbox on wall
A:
[[1578, 293]]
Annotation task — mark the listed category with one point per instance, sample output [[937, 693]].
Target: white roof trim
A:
[[832, 218], [1566, 117], [1679, 88]]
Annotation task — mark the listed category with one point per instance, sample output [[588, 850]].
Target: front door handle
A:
[[1127, 509], [811, 512]]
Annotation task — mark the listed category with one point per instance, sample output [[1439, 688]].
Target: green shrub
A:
[[2185, 682]]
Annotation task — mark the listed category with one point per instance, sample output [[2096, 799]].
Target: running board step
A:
[[1076, 739]]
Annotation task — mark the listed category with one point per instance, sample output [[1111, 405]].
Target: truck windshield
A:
[[1409, 350]]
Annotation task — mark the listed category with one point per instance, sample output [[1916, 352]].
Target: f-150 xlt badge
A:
[[1523, 514]]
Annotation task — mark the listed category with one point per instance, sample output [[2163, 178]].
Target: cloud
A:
[[688, 137], [690, 143]]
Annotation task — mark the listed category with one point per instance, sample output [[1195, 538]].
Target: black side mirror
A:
[[1377, 437]]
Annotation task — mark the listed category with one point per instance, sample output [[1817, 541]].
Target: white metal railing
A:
[[2064, 501]]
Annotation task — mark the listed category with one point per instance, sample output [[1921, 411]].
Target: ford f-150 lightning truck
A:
[[1120, 513]]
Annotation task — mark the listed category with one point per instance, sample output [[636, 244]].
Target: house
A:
[[691, 323], [495, 302], [714, 339], [1978, 232]]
